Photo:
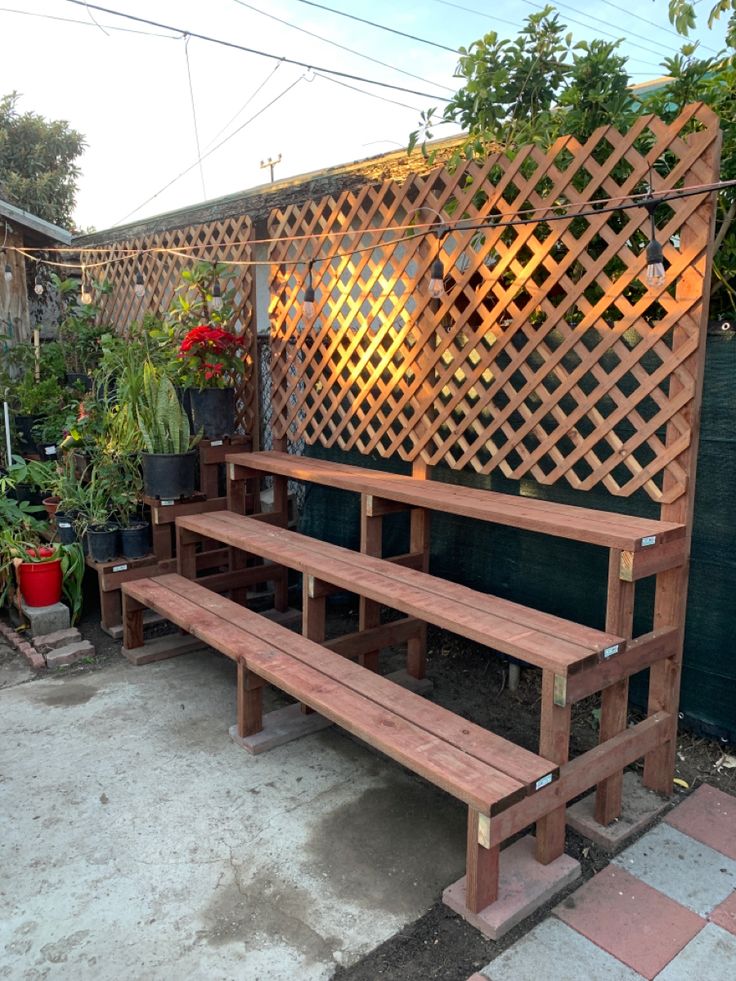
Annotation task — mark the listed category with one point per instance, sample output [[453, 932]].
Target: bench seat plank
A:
[[519, 763], [570, 521], [477, 616], [478, 784]]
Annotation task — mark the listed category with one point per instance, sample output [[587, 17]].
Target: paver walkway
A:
[[664, 908]]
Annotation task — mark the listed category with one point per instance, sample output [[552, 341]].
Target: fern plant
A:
[[163, 423]]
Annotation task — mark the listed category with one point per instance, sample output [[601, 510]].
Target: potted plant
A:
[[210, 355], [168, 459], [95, 519], [79, 332]]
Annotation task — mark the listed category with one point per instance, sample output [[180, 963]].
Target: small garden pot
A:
[[24, 433], [213, 411], [77, 378], [40, 582], [103, 542], [168, 476], [135, 540], [66, 533], [51, 504]]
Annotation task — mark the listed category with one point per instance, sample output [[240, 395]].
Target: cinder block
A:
[[69, 654], [48, 642], [640, 808], [46, 619], [524, 885]]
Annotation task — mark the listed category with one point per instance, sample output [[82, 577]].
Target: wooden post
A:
[[615, 698], [670, 600], [186, 552], [132, 623], [416, 651], [371, 543], [554, 745], [314, 615], [250, 701], [481, 882]]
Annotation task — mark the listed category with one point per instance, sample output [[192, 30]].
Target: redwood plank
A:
[[482, 868]]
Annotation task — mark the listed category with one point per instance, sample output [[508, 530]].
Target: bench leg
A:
[[615, 699], [554, 745], [371, 543], [416, 652], [314, 615], [132, 623], [250, 701], [481, 883], [186, 553]]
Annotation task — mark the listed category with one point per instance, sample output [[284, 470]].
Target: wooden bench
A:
[[638, 547], [486, 772]]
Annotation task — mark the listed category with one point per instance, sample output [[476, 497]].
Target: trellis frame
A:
[[160, 257], [384, 369]]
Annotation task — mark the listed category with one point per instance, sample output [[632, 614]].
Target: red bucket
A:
[[40, 582]]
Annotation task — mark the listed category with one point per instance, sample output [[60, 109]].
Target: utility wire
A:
[[630, 13], [263, 54], [194, 116], [86, 23], [373, 95], [245, 105], [481, 13], [381, 27], [208, 152], [336, 44]]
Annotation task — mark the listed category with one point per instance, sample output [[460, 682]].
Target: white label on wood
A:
[[119, 568], [649, 540], [216, 442], [543, 781], [610, 651], [166, 504]]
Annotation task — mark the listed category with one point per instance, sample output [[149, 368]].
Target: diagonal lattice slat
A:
[[166, 254], [548, 357]]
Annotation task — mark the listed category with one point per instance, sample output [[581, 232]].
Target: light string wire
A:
[[523, 217]]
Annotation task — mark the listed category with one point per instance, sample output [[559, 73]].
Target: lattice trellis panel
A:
[[549, 356], [226, 240]]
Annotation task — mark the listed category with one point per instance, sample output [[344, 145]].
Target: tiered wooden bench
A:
[[638, 547], [486, 772]]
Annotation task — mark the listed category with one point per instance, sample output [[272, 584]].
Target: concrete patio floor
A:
[[138, 841]]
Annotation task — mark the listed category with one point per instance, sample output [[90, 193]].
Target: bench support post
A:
[[371, 543], [615, 698], [186, 552], [250, 701], [416, 651], [481, 883], [132, 623], [554, 745], [314, 615]]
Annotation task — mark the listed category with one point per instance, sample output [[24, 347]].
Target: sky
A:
[[151, 104]]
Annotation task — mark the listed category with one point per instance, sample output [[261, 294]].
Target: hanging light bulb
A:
[[655, 275], [38, 286], [85, 294], [437, 280], [655, 264], [8, 273], [308, 305], [140, 287], [437, 273], [217, 296]]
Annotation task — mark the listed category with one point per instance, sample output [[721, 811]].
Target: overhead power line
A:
[[336, 44], [381, 27], [310, 66], [87, 23]]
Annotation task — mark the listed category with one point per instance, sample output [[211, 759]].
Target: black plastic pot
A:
[[135, 540], [65, 530], [77, 378], [213, 411], [24, 437], [103, 542], [168, 476]]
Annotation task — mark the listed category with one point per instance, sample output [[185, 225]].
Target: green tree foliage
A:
[[38, 167], [543, 84]]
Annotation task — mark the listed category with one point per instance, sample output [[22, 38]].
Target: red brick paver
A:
[[724, 915], [708, 815], [630, 920]]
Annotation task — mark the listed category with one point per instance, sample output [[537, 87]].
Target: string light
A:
[[38, 285], [217, 296], [140, 287], [8, 273], [655, 275], [308, 305], [86, 291]]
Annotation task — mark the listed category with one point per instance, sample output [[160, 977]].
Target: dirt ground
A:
[[471, 681]]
